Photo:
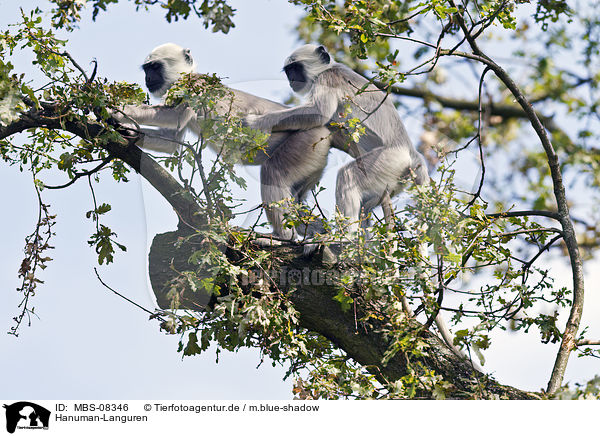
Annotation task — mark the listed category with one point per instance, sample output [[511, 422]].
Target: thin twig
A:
[[82, 174], [154, 315], [480, 140], [440, 298], [546, 247]]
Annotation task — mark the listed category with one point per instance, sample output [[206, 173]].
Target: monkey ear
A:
[[323, 55], [187, 56]]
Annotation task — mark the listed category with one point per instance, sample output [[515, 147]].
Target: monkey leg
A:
[[162, 140], [290, 172], [362, 184], [171, 117], [367, 182]]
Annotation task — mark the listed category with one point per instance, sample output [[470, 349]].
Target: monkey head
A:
[[164, 65], [304, 64]]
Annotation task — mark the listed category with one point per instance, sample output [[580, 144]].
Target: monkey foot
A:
[[266, 241], [311, 248]]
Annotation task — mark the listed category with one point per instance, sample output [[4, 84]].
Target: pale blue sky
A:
[[89, 344]]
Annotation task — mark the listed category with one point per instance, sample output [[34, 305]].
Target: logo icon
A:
[[26, 415]]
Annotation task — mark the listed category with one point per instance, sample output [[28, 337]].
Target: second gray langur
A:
[[385, 158], [291, 164]]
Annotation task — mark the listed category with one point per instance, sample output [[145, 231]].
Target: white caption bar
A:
[[158, 417]]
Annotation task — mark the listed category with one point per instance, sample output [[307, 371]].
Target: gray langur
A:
[[385, 158], [291, 164]]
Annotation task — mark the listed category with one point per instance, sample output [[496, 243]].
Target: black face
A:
[[296, 75], [155, 78]]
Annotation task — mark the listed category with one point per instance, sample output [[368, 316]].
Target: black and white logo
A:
[[26, 415]]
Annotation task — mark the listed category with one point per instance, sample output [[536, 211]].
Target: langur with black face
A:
[[291, 164], [385, 159]]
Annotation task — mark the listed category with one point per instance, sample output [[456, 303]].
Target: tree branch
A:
[[77, 176], [546, 213], [320, 313], [587, 342], [126, 150], [568, 341]]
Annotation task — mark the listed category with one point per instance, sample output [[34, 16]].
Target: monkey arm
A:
[[302, 117], [171, 117], [172, 123], [163, 140]]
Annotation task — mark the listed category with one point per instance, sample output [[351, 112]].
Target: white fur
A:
[[313, 66], [172, 56]]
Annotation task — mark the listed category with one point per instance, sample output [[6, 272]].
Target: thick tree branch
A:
[[503, 110], [320, 313], [506, 111], [518, 213], [126, 150]]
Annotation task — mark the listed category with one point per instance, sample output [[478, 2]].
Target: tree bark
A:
[[320, 313]]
